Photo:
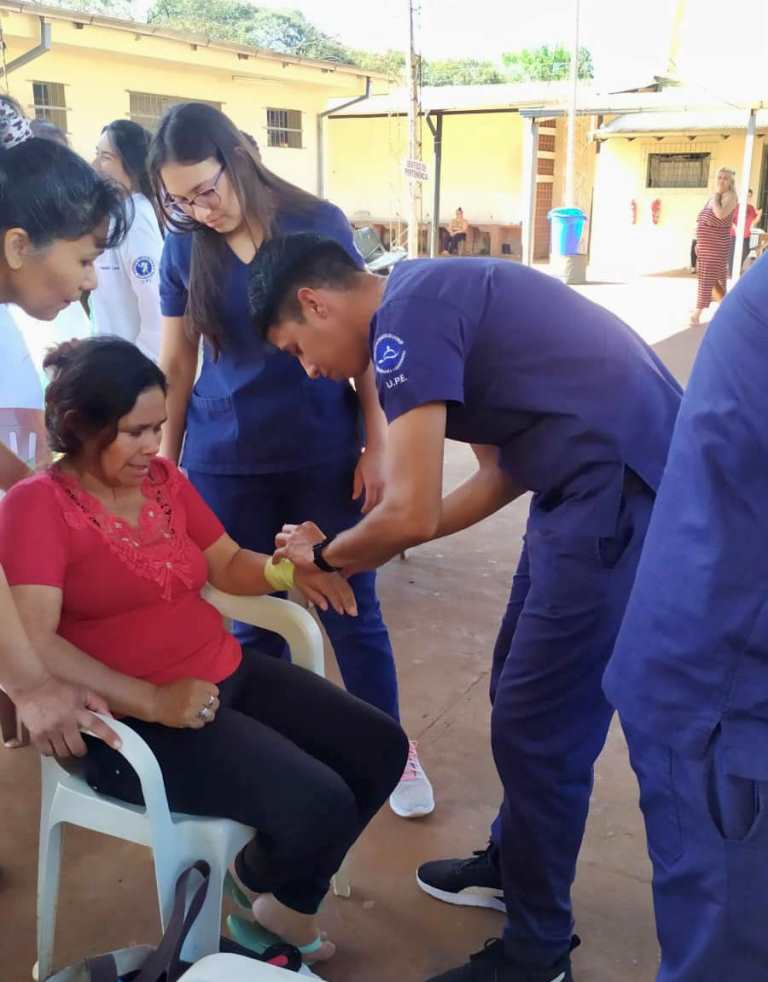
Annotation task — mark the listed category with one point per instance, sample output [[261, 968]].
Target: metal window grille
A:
[[284, 128], [678, 170], [547, 142], [50, 103], [546, 166], [147, 108]]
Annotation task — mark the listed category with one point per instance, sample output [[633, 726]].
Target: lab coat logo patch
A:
[[143, 268], [388, 353]]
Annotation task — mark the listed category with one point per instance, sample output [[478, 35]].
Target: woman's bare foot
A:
[[295, 928], [695, 318]]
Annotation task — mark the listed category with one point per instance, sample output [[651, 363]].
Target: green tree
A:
[[545, 64], [392, 63], [104, 8], [461, 71], [287, 32]]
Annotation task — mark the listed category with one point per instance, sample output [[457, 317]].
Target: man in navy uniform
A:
[[558, 397]]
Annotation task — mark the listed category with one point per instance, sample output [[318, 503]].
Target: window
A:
[[547, 142], [148, 109], [284, 128], [50, 103], [678, 170], [546, 165]]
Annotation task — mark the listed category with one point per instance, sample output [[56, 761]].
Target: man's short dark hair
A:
[[283, 265]]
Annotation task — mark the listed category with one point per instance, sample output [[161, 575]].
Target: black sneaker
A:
[[473, 882], [492, 965]]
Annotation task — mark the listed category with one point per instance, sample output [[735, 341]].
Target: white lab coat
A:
[[20, 386], [126, 301], [39, 336]]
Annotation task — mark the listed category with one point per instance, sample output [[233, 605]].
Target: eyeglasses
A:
[[209, 198]]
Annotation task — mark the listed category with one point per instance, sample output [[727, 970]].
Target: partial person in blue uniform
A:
[[689, 675], [561, 398], [261, 443]]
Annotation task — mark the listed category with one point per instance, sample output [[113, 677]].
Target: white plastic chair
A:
[[235, 968], [176, 840]]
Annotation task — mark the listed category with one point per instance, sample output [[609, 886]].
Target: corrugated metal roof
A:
[[713, 120], [460, 98], [537, 98]]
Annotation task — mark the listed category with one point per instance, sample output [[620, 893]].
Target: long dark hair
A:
[[94, 384], [47, 130], [131, 142], [189, 133], [50, 192]]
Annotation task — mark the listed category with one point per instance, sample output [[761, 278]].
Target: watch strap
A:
[[320, 562]]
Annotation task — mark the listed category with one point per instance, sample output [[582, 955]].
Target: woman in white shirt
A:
[[127, 300]]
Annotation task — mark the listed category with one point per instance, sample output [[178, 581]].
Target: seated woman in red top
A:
[[106, 553]]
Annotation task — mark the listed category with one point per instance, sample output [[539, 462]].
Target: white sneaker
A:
[[413, 797]]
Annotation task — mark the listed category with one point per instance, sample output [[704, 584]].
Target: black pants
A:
[[296, 757], [453, 242]]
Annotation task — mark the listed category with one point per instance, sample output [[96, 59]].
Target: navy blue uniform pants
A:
[[550, 717], [253, 509], [708, 840]]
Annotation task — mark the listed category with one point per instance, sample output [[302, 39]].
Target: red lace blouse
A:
[[131, 595]]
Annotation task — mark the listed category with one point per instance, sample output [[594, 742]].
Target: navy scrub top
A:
[[254, 410], [692, 654], [567, 391]]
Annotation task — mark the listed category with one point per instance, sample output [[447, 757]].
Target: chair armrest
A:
[[285, 618], [138, 754]]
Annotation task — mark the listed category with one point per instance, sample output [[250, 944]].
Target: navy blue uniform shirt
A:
[[566, 390], [254, 410], [692, 654]]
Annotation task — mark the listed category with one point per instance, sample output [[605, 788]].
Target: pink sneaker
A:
[[413, 797]]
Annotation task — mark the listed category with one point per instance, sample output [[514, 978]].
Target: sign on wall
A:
[[416, 169]]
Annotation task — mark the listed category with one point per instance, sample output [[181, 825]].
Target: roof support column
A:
[[746, 172], [530, 159]]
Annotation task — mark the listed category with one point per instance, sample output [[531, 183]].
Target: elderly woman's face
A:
[[724, 182], [125, 461]]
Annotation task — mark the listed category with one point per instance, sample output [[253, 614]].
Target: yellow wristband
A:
[[280, 574]]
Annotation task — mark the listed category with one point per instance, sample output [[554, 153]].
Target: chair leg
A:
[[340, 883], [205, 936], [167, 870], [47, 896], [12, 731]]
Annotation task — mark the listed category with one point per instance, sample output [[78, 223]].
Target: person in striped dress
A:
[[713, 228]]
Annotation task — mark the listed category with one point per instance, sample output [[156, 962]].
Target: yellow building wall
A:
[[99, 67], [621, 248], [584, 160], [481, 171]]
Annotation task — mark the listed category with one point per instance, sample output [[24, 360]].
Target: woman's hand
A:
[[296, 542], [323, 589], [369, 478], [188, 703]]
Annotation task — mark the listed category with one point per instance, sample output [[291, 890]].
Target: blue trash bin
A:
[[567, 227]]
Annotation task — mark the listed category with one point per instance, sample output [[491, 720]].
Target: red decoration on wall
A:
[[633, 211], [656, 211]]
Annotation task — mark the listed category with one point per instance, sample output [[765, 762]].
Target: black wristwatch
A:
[[317, 553]]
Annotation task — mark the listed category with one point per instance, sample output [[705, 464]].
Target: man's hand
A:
[[296, 543], [56, 712], [369, 478]]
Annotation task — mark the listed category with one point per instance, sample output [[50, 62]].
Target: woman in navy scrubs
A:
[[262, 443]]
